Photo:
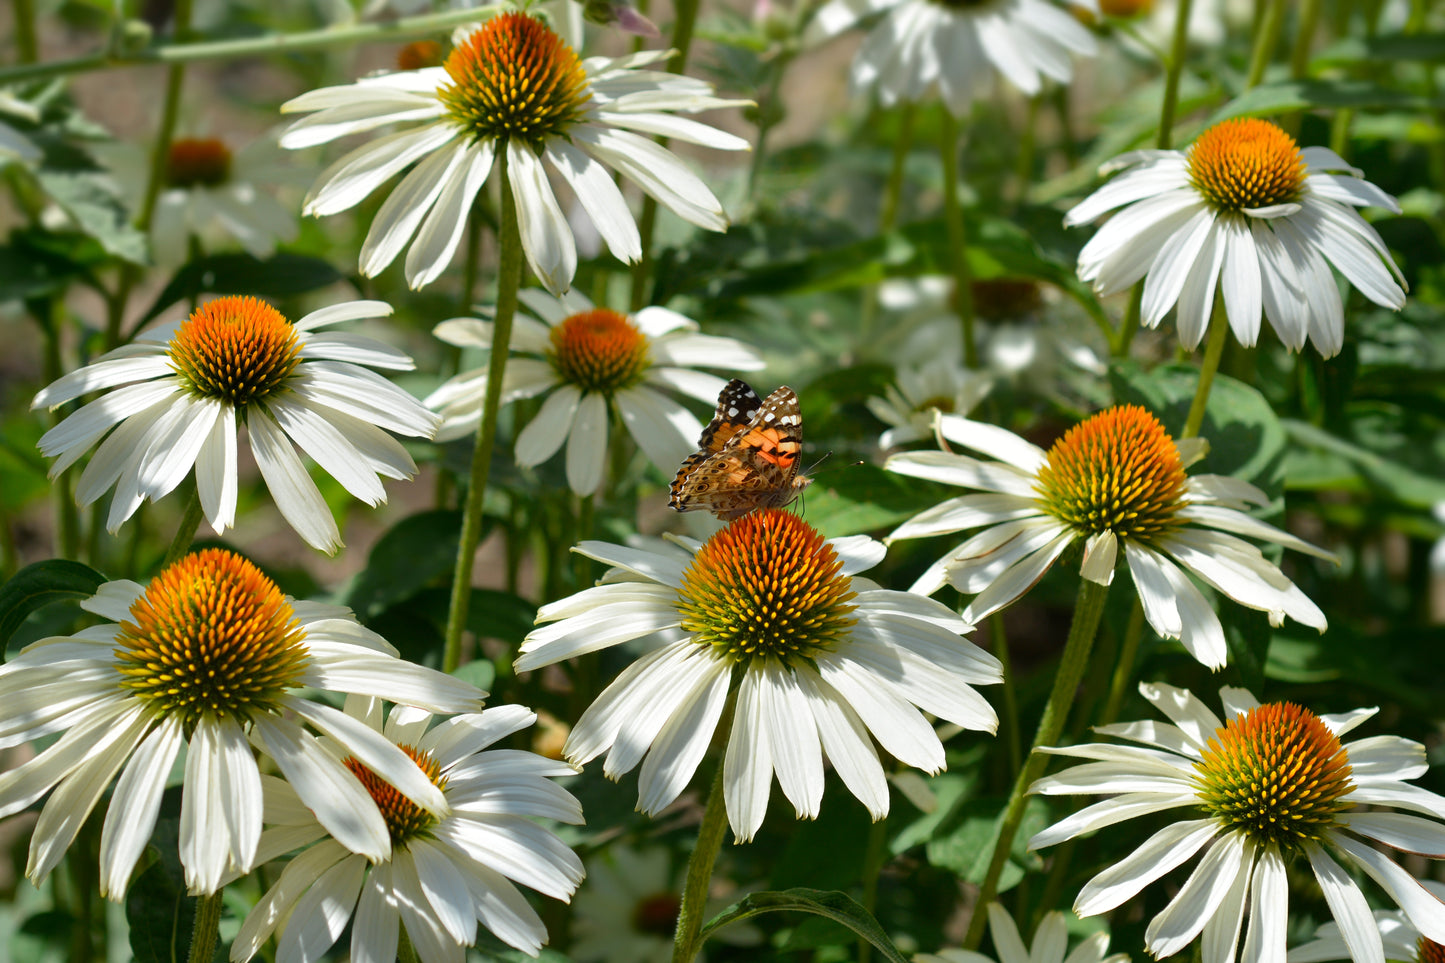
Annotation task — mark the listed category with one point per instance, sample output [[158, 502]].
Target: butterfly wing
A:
[[756, 465]]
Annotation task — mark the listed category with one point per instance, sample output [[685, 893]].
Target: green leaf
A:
[[1246, 439], [850, 499], [41, 584], [414, 551], [280, 276], [1428, 47], [831, 904], [89, 198], [1403, 484], [1332, 94]]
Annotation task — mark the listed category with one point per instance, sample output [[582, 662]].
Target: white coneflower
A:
[[446, 871], [189, 386], [1272, 784], [207, 656], [823, 659], [588, 360], [951, 49], [1051, 939], [513, 87], [1115, 482], [1244, 210]]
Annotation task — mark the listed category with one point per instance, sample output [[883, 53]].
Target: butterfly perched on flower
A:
[[747, 457]]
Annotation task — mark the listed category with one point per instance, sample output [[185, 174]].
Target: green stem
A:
[[67, 515], [1265, 41], [873, 856], [386, 31], [1010, 693], [1309, 18], [1124, 669], [957, 236], [687, 941], [509, 281], [685, 19], [186, 532], [1024, 162], [207, 927], [26, 48], [1218, 334], [888, 209], [1088, 610], [1164, 139], [155, 177]]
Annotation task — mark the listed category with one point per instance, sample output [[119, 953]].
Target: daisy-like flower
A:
[[1113, 481], [1272, 784], [1402, 941], [1051, 939], [823, 659], [207, 656], [207, 188], [512, 88], [1245, 210], [588, 360], [188, 387], [908, 405], [446, 871], [950, 49]]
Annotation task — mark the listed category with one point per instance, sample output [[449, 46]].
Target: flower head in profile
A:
[[512, 91], [1272, 785], [187, 388], [1245, 211], [589, 361], [908, 405], [1401, 940], [208, 657], [1115, 481], [1050, 940], [823, 659], [951, 49], [446, 871]]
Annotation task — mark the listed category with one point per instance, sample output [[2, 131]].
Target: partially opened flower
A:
[[512, 90], [908, 405], [208, 657], [1051, 939], [188, 388], [589, 361], [1115, 481], [822, 659], [1271, 785], [1401, 940], [446, 871], [1244, 210], [951, 49]]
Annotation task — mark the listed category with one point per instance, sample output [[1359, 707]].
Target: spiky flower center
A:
[[211, 636], [1276, 772], [767, 586], [514, 77], [1118, 471], [405, 820], [1246, 163], [1428, 951], [599, 350], [237, 349], [657, 914], [419, 54], [1003, 299], [193, 162]]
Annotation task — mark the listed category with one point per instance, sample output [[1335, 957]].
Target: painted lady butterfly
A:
[[748, 455]]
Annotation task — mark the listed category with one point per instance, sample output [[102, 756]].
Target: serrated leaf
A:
[[90, 198], [41, 584], [863, 498], [414, 551], [280, 276], [830, 904]]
